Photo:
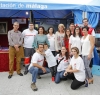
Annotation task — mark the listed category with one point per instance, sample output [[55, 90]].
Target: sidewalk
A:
[[20, 85]]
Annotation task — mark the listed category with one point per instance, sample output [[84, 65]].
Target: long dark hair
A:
[[66, 36], [49, 29], [66, 54], [42, 28], [80, 34]]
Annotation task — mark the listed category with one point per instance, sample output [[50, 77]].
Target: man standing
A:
[[36, 67], [15, 49], [91, 30], [72, 27], [28, 35]]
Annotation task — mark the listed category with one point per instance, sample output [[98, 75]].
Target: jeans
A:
[[87, 68], [36, 71], [59, 76]]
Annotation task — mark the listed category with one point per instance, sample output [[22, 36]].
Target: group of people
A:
[[68, 53]]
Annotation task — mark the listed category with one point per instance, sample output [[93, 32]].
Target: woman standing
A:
[[63, 62], [40, 38], [75, 40], [59, 37], [66, 38], [51, 38], [76, 70], [87, 52]]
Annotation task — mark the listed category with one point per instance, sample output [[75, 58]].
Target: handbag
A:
[[59, 61]]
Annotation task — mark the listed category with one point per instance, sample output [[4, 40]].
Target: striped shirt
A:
[[15, 38]]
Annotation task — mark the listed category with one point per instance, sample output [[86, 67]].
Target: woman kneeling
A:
[[63, 62], [76, 70]]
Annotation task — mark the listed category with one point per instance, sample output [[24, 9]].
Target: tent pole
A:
[[84, 14], [31, 17]]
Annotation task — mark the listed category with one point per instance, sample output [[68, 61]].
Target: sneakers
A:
[[53, 78], [20, 74], [33, 86], [25, 72], [38, 77], [10, 76]]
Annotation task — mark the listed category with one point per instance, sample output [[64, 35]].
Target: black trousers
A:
[[75, 84], [53, 71]]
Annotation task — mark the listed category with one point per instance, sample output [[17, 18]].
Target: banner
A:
[[20, 21]]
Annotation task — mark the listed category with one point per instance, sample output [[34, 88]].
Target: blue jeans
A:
[[59, 76], [87, 68], [36, 71]]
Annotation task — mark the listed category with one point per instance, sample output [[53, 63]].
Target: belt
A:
[[14, 47]]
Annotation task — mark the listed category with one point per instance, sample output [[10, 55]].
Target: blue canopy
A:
[[39, 5], [37, 13], [84, 5], [52, 9]]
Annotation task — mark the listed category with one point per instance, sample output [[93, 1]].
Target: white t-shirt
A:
[[63, 64], [50, 58], [75, 42], [79, 65], [52, 41], [37, 58], [29, 37]]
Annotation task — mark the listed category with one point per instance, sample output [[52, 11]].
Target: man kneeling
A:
[[36, 67]]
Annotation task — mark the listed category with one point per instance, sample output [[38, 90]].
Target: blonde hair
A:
[[61, 25]]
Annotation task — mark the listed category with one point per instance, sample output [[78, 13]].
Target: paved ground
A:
[[20, 85]]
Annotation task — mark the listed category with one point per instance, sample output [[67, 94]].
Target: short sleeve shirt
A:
[[37, 58]]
